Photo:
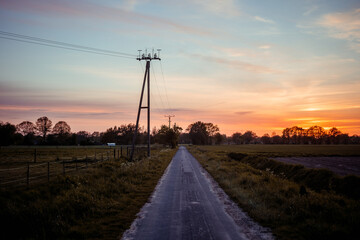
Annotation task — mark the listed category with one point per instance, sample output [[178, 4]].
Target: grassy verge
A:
[[291, 211], [100, 203]]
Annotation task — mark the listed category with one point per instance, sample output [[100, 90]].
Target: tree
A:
[[237, 138], [265, 139], [316, 133], [219, 138], [25, 128], [249, 136], [43, 125], [201, 133], [333, 135], [7, 134], [61, 128], [169, 136]]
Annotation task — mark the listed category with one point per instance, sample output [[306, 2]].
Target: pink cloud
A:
[[81, 9]]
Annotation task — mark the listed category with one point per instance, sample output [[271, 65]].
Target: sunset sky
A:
[[243, 65]]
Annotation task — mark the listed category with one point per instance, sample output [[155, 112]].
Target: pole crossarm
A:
[[169, 116], [148, 58]]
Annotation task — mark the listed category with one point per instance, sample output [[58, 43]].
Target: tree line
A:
[[42, 132]]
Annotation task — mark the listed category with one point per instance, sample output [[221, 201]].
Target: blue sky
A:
[[243, 65]]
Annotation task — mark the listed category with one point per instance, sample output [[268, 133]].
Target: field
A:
[[295, 202], [21, 166], [288, 150], [96, 202]]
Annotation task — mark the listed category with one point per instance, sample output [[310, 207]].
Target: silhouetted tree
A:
[[28, 130], [43, 125], [333, 135], [237, 138], [7, 134], [265, 139], [83, 138], [316, 134], [184, 138], [276, 139], [201, 133], [249, 136], [219, 138], [61, 128], [25, 128], [168, 136]]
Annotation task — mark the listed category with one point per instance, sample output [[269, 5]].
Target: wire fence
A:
[[32, 173]]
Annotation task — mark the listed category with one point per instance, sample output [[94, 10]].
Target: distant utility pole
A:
[[146, 57], [169, 116]]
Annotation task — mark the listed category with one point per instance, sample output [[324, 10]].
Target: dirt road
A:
[[188, 204]]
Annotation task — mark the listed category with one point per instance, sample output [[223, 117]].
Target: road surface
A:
[[188, 204]]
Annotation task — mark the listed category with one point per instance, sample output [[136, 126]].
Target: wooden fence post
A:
[[121, 151], [76, 165], [28, 175], [35, 155], [114, 153], [64, 167], [48, 172]]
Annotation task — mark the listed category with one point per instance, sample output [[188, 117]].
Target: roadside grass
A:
[[290, 209], [99, 203], [316, 179]]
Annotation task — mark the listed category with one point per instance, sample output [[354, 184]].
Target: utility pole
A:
[[146, 57], [169, 116]]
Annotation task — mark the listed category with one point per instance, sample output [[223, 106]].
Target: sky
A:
[[242, 65]]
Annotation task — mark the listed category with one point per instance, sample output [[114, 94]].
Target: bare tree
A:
[[43, 125], [25, 128]]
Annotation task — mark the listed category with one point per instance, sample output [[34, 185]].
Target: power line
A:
[[62, 45], [166, 95], [157, 87]]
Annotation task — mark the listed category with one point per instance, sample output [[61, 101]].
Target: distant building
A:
[[111, 144]]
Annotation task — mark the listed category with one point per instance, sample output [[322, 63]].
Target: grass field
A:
[[290, 208], [287, 150], [97, 203], [18, 155]]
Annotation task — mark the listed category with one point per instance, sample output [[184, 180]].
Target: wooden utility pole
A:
[[146, 57], [169, 116]]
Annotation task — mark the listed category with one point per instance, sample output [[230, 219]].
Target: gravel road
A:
[[188, 204]]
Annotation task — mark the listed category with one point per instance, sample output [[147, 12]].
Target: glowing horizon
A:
[[240, 65]]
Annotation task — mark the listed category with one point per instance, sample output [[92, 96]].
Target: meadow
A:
[[287, 198], [100, 201]]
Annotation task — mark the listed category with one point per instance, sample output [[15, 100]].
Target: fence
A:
[[32, 173]]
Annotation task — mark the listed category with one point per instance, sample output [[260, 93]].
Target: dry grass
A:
[[100, 203], [279, 203]]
